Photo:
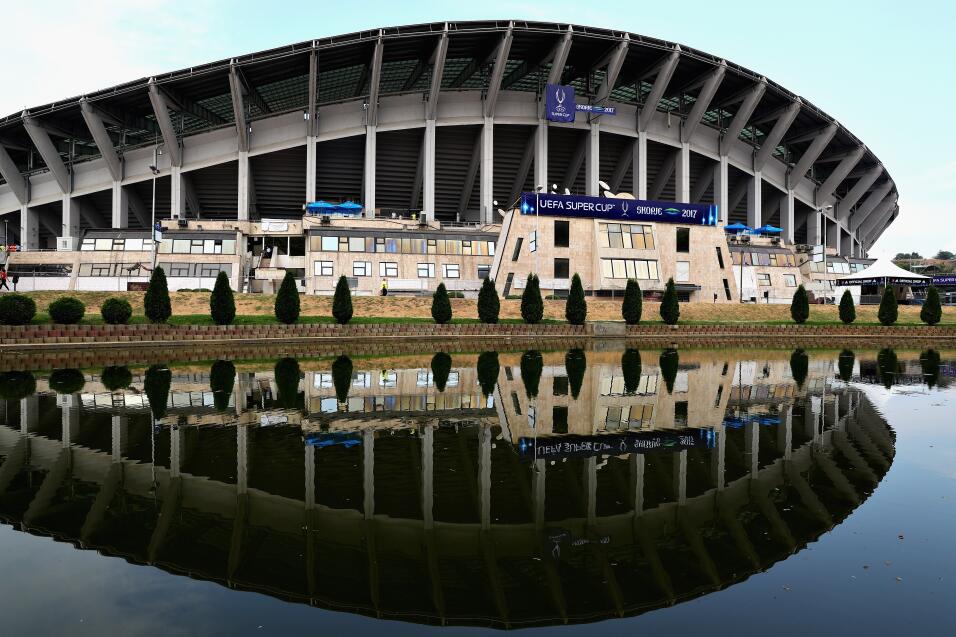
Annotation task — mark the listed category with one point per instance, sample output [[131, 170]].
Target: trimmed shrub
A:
[[287, 375], [488, 304], [576, 309], [441, 306], [669, 362], [441, 366], [156, 384], [16, 309], [929, 362], [670, 307], [222, 303], [847, 308], [488, 368], [287, 300], [932, 310], [17, 385], [67, 381], [799, 364], [342, 302], [532, 307], [116, 311], [115, 378], [800, 306], [888, 365], [633, 304], [67, 310], [342, 377], [575, 363], [889, 311], [156, 302], [531, 365], [845, 365], [631, 370], [222, 379]]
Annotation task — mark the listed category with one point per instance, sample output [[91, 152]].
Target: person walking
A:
[[3, 279], [384, 291]]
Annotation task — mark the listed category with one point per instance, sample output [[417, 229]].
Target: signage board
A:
[[817, 254], [556, 447], [584, 207], [944, 279], [559, 103], [595, 109]]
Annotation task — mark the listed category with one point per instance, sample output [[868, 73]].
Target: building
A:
[[434, 122]]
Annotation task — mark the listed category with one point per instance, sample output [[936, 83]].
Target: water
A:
[[576, 492]]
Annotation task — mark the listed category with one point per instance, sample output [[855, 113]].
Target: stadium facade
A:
[[436, 130]]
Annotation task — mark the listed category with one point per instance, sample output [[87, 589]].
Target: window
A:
[[629, 236], [356, 244], [450, 271], [484, 271], [629, 269], [533, 241], [514, 257], [330, 244], [683, 239], [763, 279], [180, 246], [560, 387], [296, 246], [362, 268], [426, 270], [388, 268], [790, 280], [683, 272], [323, 268], [727, 288], [559, 420], [562, 268], [562, 234], [720, 258]]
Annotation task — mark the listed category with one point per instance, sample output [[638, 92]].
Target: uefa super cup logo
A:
[[559, 97], [624, 207]]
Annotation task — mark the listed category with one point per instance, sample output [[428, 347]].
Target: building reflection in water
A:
[[362, 486]]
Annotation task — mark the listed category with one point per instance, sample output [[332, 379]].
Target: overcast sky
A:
[[883, 69]]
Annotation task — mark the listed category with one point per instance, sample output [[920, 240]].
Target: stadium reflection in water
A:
[[500, 490]]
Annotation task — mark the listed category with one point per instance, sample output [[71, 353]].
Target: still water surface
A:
[[575, 492]]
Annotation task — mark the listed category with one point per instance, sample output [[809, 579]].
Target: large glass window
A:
[[451, 271], [323, 268], [682, 275], [562, 269], [426, 270], [484, 271], [330, 244], [388, 268], [362, 268], [628, 236], [790, 280], [296, 246], [763, 279], [514, 256], [629, 269], [562, 234], [683, 239]]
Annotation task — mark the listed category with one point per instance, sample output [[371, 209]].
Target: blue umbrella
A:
[[316, 207], [736, 227], [349, 207], [769, 229]]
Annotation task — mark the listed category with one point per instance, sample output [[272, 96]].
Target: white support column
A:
[[29, 228], [787, 204], [428, 202], [120, 437], [177, 200], [428, 476], [120, 206], [682, 170], [814, 226], [369, 202], [70, 419], [175, 451], [722, 190], [311, 155], [484, 476], [244, 186], [637, 477], [680, 478], [309, 461], [242, 459], [590, 489], [754, 201], [593, 160], [486, 173], [788, 433], [752, 447], [541, 155], [368, 473], [29, 414], [720, 464], [539, 490], [70, 226], [640, 166], [833, 236]]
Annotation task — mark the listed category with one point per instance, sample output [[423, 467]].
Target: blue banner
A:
[[570, 446], [618, 209], [944, 279], [597, 110], [559, 103]]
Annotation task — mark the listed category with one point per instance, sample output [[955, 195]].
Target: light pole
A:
[[823, 221], [537, 236], [152, 224]]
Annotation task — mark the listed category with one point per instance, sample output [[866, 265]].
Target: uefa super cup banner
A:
[[554, 205], [559, 103]]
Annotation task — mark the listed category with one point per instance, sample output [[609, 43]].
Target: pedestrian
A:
[[3, 278], [384, 287]]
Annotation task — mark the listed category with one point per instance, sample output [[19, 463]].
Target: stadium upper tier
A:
[[445, 118]]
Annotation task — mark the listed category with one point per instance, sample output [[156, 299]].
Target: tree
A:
[[488, 368], [441, 305], [889, 311], [576, 308], [488, 304], [342, 377], [799, 365], [156, 384], [287, 300], [847, 309], [845, 365], [888, 365], [532, 307], [115, 378], [575, 363], [441, 366], [342, 302], [116, 311], [16, 309], [631, 369], [932, 310], [670, 307], [287, 375], [67, 310], [67, 381], [17, 385], [633, 303], [222, 303], [669, 362], [531, 365], [901, 256], [929, 363], [800, 306], [945, 255], [156, 302], [222, 378]]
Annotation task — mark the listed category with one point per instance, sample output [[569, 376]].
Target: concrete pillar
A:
[[242, 459], [29, 413], [71, 218], [833, 235], [368, 473], [814, 227], [538, 487], [243, 186], [541, 155], [787, 206], [590, 489], [680, 477], [175, 451], [719, 464], [70, 419], [788, 432], [120, 206], [593, 160], [311, 154], [428, 476], [637, 479], [484, 476], [120, 437], [369, 180], [309, 476], [486, 173], [640, 166], [177, 201], [428, 172], [29, 228], [752, 447], [754, 201], [682, 171], [721, 190]]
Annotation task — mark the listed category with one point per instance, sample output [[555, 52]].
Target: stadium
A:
[[433, 132]]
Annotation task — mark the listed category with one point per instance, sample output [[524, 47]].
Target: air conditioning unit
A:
[[67, 244], [326, 220], [423, 219], [182, 223]]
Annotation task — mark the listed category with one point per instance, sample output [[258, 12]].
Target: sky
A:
[[882, 69]]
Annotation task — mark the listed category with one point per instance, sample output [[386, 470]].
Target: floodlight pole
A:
[[537, 235], [152, 224]]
